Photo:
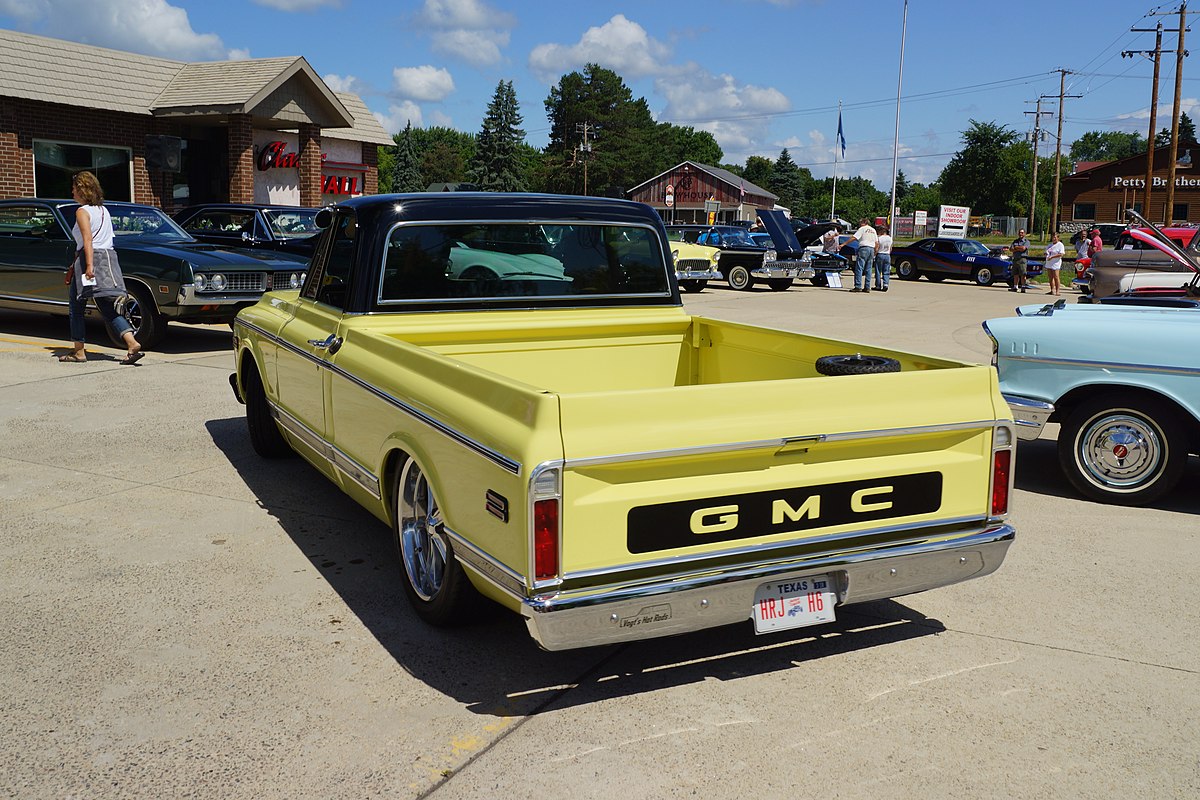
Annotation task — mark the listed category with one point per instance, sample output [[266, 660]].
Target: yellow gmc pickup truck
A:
[[512, 384]]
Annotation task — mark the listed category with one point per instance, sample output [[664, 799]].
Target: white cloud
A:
[[151, 27], [399, 115], [426, 83], [469, 14], [238, 54], [299, 5], [478, 48], [344, 83], [736, 114], [619, 44], [469, 30]]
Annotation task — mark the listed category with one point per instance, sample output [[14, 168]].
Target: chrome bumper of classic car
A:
[[189, 297], [697, 275], [628, 613], [784, 269], [1030, 416]]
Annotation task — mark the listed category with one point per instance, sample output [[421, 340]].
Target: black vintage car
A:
[[169, 275], [288, 229], [742, 261]]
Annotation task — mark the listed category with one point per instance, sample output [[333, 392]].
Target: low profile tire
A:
[[856, 365], [739, 278], [983, 276], [149, 326], [907, 270], [1124, 452], [693, 285], [434, 581], [820, 279], [265, 436], [780, 284]]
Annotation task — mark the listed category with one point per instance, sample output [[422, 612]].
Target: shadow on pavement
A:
[[181, 339], [494, 667], [1038, 471]]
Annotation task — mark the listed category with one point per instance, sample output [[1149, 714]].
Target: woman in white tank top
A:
[[95, 272]]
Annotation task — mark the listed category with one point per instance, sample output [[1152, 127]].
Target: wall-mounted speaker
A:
[[164, 153]]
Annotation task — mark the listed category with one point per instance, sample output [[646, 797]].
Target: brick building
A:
[[1100, 191], [169, 133]]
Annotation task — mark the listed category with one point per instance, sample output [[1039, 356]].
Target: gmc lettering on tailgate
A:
[[719, 519]]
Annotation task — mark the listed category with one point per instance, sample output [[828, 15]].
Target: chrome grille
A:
[[693, 263], [280, 280], [240, 282]]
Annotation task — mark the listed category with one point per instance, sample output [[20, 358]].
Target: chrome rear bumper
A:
[[620, 614], [1030, 416]]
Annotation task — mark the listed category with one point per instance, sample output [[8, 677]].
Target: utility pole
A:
[[1062, 95], [583, 150], [1037, 132], [1156, 54], [1173, 153]]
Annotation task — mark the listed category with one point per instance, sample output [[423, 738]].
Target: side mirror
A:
[[324, 218]]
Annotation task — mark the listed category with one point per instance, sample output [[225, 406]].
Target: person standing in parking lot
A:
[[883, 259], [1054, 260], [867, 239], [1020, 255], [1095, 244], [95, 272]]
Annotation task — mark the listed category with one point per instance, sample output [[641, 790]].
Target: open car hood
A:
[[1176, 253], [812, 234], [780, 228]]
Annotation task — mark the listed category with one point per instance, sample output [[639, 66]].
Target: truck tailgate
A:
[[721, 470]]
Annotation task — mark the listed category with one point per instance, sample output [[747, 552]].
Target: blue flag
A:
[[841, 138]]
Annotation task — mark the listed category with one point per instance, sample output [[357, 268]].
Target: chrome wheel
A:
[[1125, 450], [423, 547]]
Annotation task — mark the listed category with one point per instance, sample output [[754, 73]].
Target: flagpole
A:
[[836, 145], [896, 140]]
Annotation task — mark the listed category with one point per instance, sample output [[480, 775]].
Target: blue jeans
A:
[[76, 305], [862, 267], [883, 270]]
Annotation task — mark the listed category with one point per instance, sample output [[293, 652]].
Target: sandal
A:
[[72, 358], [132, 358]]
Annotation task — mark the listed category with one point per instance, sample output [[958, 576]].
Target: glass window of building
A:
[[1084, 211], [55, 162]]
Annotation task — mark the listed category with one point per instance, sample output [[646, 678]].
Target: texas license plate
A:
[[793, 603]]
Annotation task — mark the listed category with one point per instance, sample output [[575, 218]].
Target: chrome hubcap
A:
[[1120, 451], [422, 544]]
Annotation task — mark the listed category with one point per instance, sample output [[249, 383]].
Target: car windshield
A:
[[970, 247], [733, 237], [292, 223], [140, 222], [469, 262]]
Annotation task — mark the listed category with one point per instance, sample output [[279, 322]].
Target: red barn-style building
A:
[[690, 185]]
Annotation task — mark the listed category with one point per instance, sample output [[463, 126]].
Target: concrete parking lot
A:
[[184, 619]]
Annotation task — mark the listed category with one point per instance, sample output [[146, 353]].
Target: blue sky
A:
[[760, 75]]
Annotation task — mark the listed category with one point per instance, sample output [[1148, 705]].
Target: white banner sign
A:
[[952, 221]]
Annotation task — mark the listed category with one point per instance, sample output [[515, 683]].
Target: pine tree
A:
[[498, 165], [788, 181], [406, 170]]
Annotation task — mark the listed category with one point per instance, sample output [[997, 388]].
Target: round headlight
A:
[[217, 282], [201, 282], [295, 279], [770, 256]]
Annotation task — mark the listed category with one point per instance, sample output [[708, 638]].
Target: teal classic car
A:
[[170, 276], [1123, 381]]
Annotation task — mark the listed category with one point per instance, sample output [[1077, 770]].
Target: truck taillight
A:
[[1001, 472], [545, 492], [545, 539]]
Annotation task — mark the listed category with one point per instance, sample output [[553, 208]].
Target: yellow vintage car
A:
[[695, 265], [570, 443]]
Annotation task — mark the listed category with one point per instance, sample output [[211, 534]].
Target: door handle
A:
[[328, 342]]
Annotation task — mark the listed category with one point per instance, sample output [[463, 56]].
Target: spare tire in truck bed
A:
[[856, 364]]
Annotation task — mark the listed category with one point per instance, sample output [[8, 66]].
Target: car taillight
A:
[[1001, 471], [545, 539], [545, 490]]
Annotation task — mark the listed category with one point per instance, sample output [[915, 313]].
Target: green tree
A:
[[443, 163], [987, 172], [387, 158], [758, 171], [496, 167], [921, 198], [1187, 132], [406, 170], [680, 143], [790, 182], [902, 186], [1107, 146]]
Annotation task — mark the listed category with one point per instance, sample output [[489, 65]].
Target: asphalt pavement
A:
[[184, 619]]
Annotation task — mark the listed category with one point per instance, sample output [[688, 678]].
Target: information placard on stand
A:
[[834, 280]]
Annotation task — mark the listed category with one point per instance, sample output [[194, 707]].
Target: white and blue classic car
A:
[[1123, 381]]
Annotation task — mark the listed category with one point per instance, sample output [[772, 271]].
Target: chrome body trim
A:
[[336, 458], [697, 275], [509, 464], [566, 620], [762, 444], [1105, 365], [487, 567], [1029, 415]]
